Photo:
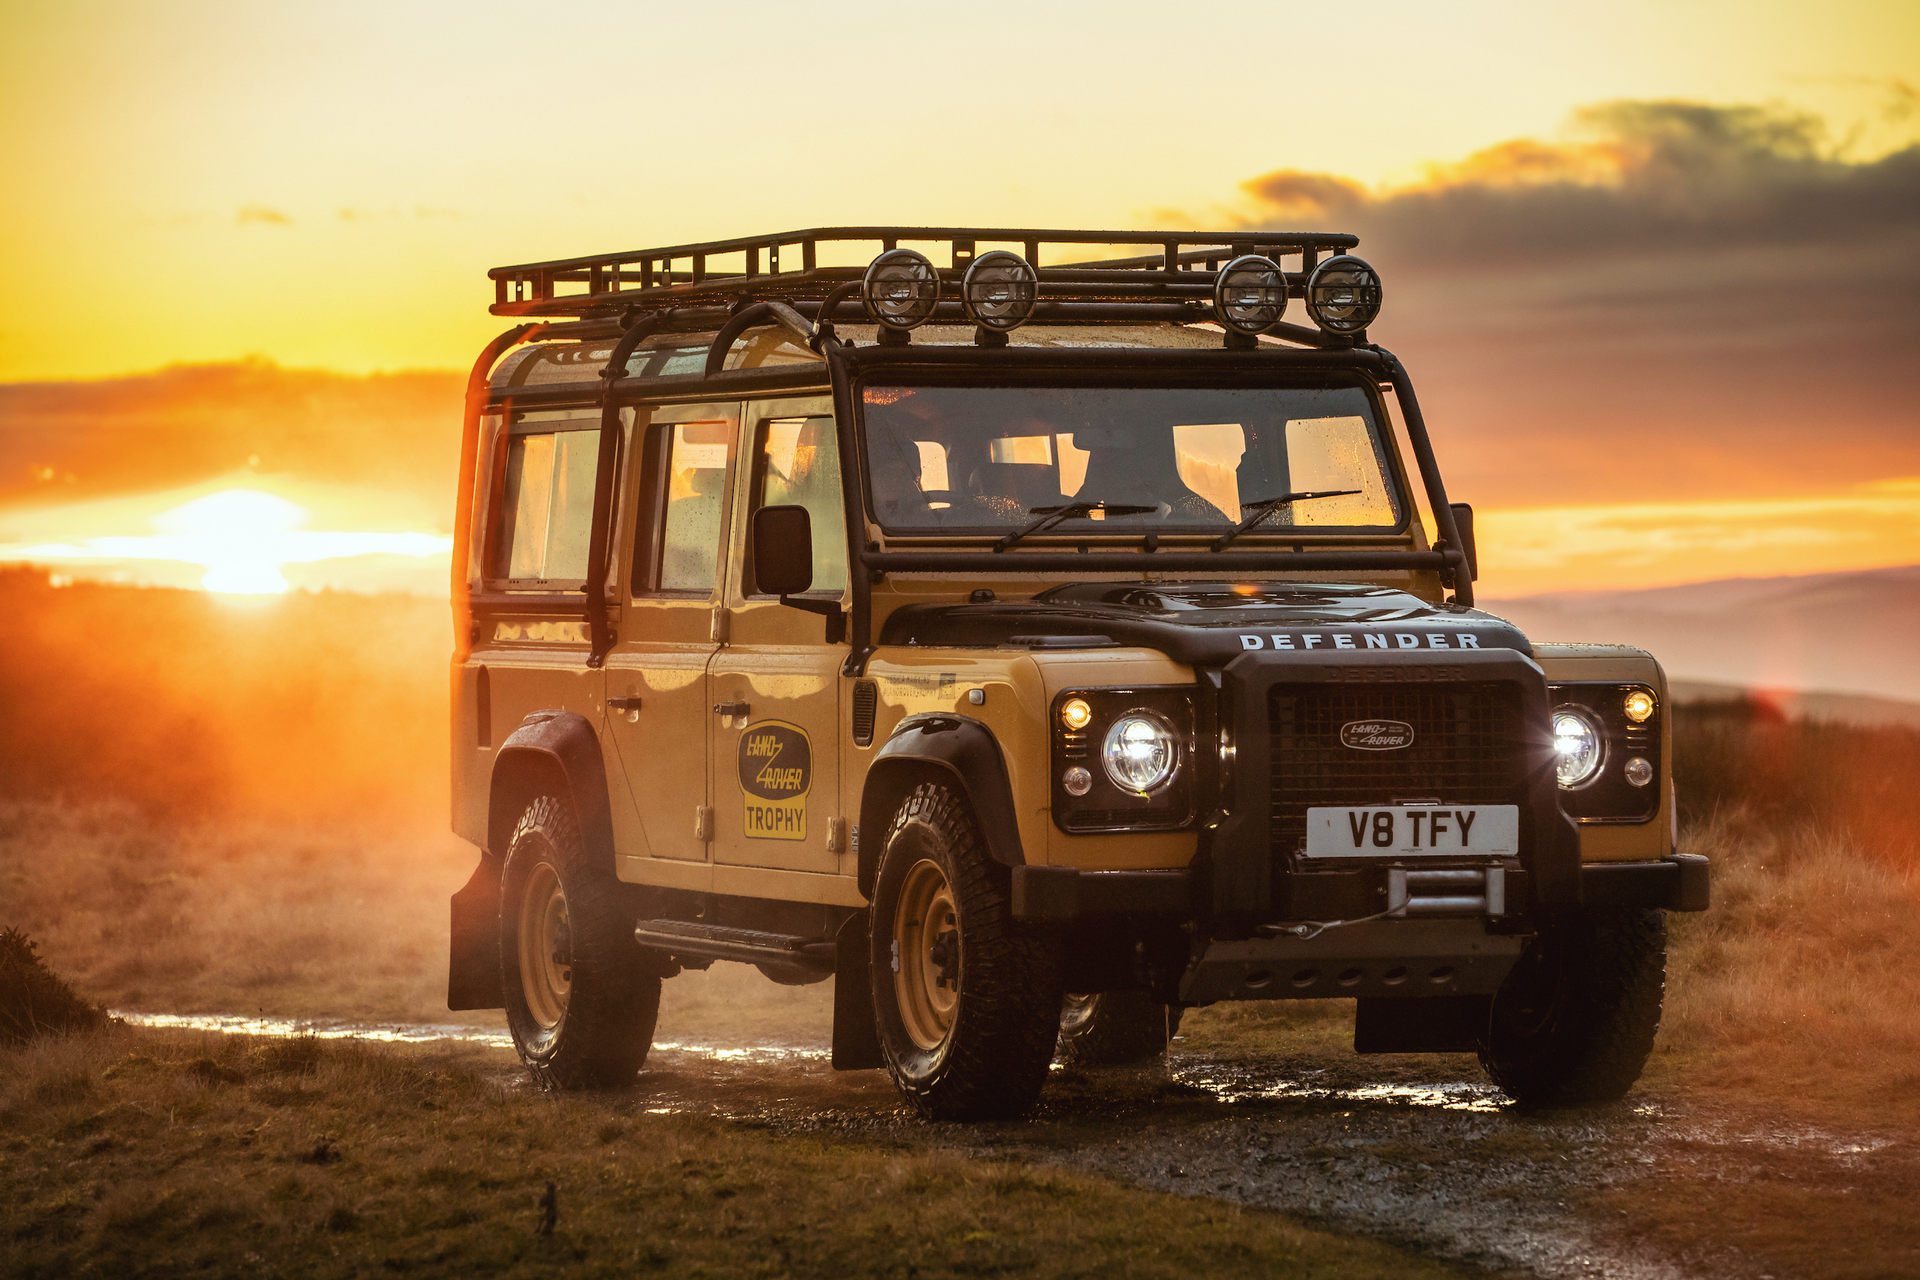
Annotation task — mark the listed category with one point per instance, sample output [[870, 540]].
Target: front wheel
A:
[[581, 995], [967, 1006], [1115, 1028], [1574, 1022]]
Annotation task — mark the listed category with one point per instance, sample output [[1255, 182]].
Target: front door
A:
[[658, 706], [776, 681]]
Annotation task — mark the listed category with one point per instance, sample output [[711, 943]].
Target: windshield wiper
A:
[[1267, 506], [1051, 516]]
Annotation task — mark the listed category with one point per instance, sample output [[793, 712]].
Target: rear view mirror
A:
[[783, 550], [1463, 521]]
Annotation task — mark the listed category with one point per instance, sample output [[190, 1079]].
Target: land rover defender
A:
[[1036, 634]]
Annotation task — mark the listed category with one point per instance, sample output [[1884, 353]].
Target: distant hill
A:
[[1843, 633]]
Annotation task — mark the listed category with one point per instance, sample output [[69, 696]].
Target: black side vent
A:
[[866, 699]]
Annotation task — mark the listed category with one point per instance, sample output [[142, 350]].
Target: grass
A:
[[163, 1153], [33, 1001]]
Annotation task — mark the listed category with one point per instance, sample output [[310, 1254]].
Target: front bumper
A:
[[1678, 882]]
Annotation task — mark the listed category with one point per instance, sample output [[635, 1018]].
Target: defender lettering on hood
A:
[[1211, 622]]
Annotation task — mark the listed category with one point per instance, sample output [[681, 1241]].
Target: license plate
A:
[[1484, 830]]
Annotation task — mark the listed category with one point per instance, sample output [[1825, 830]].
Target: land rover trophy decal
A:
[[776, 769], [1376, 735]]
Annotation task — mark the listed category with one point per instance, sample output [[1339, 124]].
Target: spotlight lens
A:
[[1343, 294], [1139, 753], [1576, 747], [1076, 714], [1639, 706], [999, 290], [900, 289], [1251, 294], [1076, 781], [1638, 772]]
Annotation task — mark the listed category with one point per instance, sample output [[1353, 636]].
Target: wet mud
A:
[[1435, 1159]]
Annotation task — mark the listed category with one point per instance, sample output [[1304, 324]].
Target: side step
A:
[[696, 939]]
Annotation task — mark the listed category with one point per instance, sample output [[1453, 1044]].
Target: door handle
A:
[[624, 704], [730, 709]]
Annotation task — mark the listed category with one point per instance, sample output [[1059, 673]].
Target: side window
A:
[[686, 470], [798, 463], [544, 510]]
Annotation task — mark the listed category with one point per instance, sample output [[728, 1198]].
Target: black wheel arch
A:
[[954, 749], [552, 753]]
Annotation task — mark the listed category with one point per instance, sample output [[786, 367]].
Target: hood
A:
[[1208, 623]]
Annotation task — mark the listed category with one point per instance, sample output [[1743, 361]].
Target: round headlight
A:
[[1140, 753], [900, 288], [999, 290], [1250, 294], [1577, 747], [1343, 294]]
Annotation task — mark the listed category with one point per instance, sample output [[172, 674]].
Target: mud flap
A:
[[473, 960], [856, 1038], [1428, 1024]]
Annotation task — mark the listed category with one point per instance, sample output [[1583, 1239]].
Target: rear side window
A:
[[687, 482], [798, 464], [545, 501]]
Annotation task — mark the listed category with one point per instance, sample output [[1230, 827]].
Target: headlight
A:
[[1250, 294], [1577, 747], [1140, 752], [999, 290], [1343, 294], [900, 288]]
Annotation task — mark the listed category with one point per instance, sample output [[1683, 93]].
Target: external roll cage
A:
[[631, 297]]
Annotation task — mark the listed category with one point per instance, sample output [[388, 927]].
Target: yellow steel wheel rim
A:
[[546, 947], [926, 948]]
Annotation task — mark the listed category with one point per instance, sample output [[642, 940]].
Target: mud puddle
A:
[[1437, 1161]]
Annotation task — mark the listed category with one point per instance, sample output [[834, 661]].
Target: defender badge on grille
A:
[[1376, 735]]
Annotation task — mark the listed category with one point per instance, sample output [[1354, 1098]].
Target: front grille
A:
[[1469, 747]]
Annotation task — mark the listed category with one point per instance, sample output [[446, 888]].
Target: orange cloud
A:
[[261, 215]]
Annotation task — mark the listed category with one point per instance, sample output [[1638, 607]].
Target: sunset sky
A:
[[1655, 267]]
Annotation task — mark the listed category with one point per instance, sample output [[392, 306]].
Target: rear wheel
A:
[[1115, 1028], [967, 1006], [1575, 1020], [581, 995]]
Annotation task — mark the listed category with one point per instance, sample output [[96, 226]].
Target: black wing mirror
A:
[[783, 550], [782, 554]]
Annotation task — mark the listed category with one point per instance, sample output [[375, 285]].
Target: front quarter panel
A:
[[1623, 842]]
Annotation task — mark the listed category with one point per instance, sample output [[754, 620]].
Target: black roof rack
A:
[[1173, 282]]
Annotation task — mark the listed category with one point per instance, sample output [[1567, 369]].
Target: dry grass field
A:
[[210, 808]]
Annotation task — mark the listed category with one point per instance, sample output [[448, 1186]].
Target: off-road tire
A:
[[1575, 1020], [606, 1020], [1006, 1003], [1115, 1029]]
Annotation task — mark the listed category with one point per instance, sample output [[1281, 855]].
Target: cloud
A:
[[260, 215], [1671, 300]]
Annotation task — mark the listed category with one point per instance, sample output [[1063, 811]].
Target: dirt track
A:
[[1439, 1162]]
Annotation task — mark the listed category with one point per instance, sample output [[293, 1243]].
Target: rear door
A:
[[776, 681], [659, 713]]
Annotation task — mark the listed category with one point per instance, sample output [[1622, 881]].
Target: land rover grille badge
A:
[[1376, 735]]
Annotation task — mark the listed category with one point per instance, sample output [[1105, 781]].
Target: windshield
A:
[[1159, 459]]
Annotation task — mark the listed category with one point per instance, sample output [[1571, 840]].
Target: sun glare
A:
[[242, 540]]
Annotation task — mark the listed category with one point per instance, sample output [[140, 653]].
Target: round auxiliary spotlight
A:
[[1250, 294], [900, 289], [1343, 294], [999, 290]]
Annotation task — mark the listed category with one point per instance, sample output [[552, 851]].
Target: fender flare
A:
[[963, 749], [551, 750]]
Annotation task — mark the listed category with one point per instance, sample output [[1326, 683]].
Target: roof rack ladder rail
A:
[[751, 316], [606, 470], [1457, 576], [476, 405]]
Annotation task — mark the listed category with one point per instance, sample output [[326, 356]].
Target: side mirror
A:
[[1463, 521], [783, 550]]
